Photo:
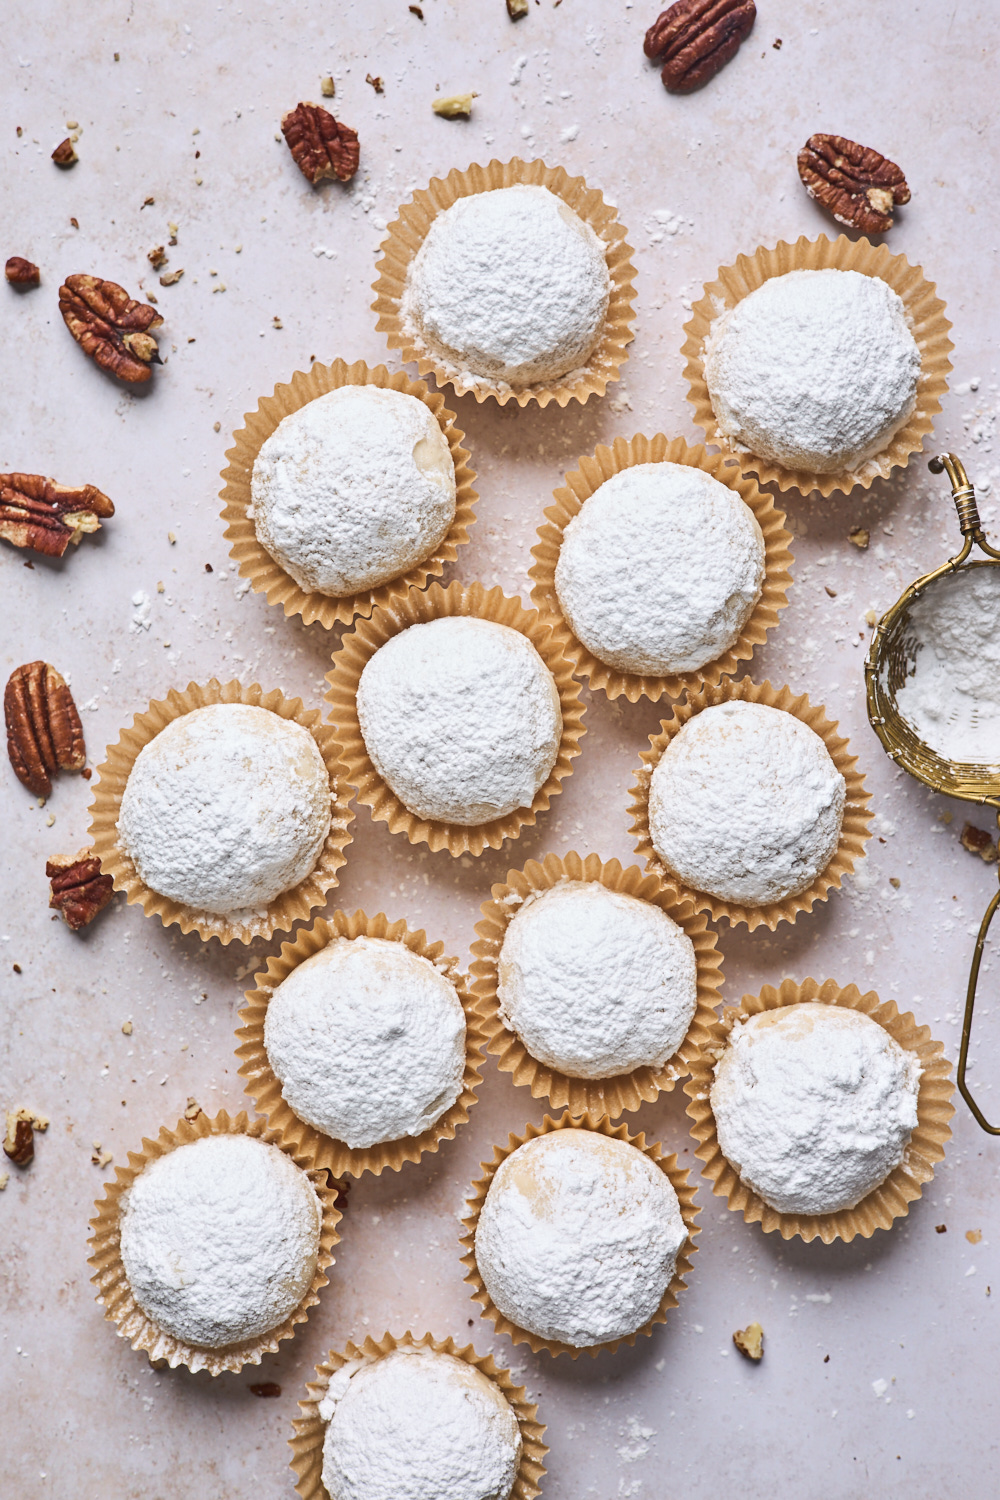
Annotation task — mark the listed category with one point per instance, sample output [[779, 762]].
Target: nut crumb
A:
[[266, 1388], [216, 426], [157, 257], [19, 1140], [171, 278], [974, 1236], [776, 44], [978, 841], [894, 882], [173, 234], [192, 1109], [375, 82], [940, 1229], [517, 8], [860, 536], [99, 1156], [416, 11], [750, 1341], [171, 537], [871, 618], [455, 106], [4, 1179], [64, 155], [327, 88], [126, 1028], [830, 591], [21, 272]]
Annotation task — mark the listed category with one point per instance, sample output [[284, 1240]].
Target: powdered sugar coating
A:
[[461, 718], [219, 1239], [813, 370], [510, 286], [814, 1105], [353, 489], [578, 1237], [660, 569], [226, 808], [418, 1425], [367, 1041], [596, 983], [746, 804]]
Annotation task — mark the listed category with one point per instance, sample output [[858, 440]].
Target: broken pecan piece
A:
[[38, 513], [44, 733], [79, 890], [19, 1138], [110, 327], [858, 186], [64, 155], [694, 39], [21, 272], [320, 145]]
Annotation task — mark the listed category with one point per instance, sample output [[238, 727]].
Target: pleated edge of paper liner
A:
[[406, 234], [114, 1293], [310, 1429], [925, 317], [264, 1089], [854, 831], [291, 906], [668, 1164], [580, 484], [359, 646], [892, 1198], [265, 573], [625, 1092]]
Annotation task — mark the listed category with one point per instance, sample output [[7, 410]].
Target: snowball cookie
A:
[[353, 489], [746, 804], [579, 1237], [509, 285], [367, 1041], [226, 808], [596, 983], [660, 570], [416, 1425], [814, 1106], [814, 370], [461, 718], [219, 1239]]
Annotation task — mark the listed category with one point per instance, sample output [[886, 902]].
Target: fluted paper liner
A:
[[892, 1198], [668, 1164], [589, 1096], [291, 906], [406, 234], [310, 1430], [265, 1090], [579, 485], [266, 574], [924, 314], [854, 830], [360, 645], [114, 1292]]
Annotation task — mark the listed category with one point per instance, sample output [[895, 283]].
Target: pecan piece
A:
[[694, 39], [64, 155], [858, 186], [110, 327], [44, 733], [320, 145], [21, 272], [19, 1139], [79, 890], [38, 513]]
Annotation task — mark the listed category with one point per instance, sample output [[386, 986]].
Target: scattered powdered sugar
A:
[[353, 488], [367, 1041], [746, 804], [461, 718], [226, 808], [219, 1239], [660, 569], [813, 370], [510, 286], [579, 1237], [596, 983], [418, 1425], [814, 1105]]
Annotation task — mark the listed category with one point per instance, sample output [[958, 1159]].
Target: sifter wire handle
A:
[[970, 1005]]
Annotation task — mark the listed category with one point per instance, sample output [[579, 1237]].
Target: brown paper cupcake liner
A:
[[265, 573], [589, 1096], [667, 1163], [854, 831], [360, 645], [892, 1199], [407, 233], [310, 1430], [924, 314], [265, 1090], [291, 906], [114, 1292], [581, 484]]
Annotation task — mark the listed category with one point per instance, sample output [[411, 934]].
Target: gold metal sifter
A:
[[891, 659]]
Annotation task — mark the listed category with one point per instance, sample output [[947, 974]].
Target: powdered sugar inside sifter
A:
[[893, 671]]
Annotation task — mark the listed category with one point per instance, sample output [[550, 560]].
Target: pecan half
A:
[[64, 155], [858, 186], [110, 327], [320, 145], [38, 513], [79, 890], [44, 733], [21, 272], [694, 39]]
